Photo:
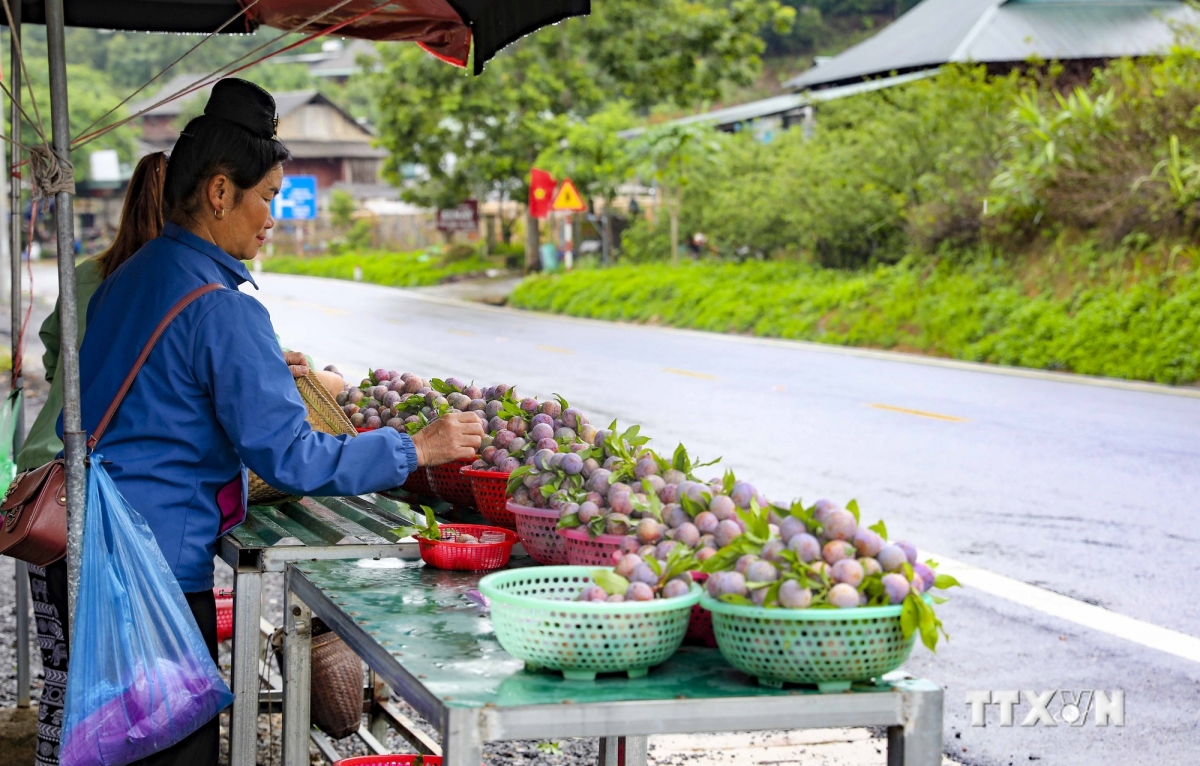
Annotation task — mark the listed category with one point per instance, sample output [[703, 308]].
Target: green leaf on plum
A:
[[517, 478], [570, 521], [596, 526], [879, 528], [852, 506], [728, 481], [439, 385], [944, 581], [431, 530], [733, 598], [612, 582]]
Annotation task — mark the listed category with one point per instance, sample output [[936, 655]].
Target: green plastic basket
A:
[[537, 620], [831, 648]]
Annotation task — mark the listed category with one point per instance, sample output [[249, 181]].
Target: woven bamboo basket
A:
[[324, 414]]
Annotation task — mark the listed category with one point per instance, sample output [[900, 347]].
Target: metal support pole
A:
[[297, 675], [461, 738], [918, 742], [64, 219], [243, 718], [21, 572]]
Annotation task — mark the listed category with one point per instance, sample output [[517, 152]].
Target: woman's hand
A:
[[296, 363], [453, 436]]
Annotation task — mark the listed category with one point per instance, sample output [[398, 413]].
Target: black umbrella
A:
[[444, 27]]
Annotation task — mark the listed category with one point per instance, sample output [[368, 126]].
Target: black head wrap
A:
[[245, 104]]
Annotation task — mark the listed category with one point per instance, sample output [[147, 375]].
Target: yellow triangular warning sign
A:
[[568, 198]]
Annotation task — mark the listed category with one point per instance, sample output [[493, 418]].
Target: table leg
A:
[[918, 742], [22, 598], [462, 742], [243, 718], [635, 750], [377, 721], [623, 751], [610, 751], [297, 677]]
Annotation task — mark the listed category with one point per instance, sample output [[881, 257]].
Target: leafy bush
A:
[[1146, 329], [413, 269], [959, 159]]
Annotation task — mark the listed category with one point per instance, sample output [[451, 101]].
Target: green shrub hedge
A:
[[1144, 330]]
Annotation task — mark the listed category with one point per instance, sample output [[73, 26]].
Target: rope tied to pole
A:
[[51, 174]]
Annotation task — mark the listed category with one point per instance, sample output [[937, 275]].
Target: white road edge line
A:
[[1070, 609], [825, 348]]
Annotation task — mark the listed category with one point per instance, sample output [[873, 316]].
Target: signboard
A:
[[463, 219], [568, 198], [297, 199]]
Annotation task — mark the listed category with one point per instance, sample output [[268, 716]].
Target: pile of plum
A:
[[608, 481], [644, 576]]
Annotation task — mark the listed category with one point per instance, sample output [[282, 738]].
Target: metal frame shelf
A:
[[272, 537], [911, 709]]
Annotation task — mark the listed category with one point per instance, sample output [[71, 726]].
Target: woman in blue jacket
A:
[[215, 396]]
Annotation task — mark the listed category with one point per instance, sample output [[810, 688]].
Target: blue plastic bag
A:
[[140, 678]]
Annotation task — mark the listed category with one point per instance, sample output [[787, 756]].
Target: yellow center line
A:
[[555, 349], [317, 307], [464, 333], [689, 373], [919, 413]]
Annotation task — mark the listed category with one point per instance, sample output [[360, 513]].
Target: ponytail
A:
[[141, 215]]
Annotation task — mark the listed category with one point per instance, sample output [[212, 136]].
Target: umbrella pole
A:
[[64, 219], [18, 383]]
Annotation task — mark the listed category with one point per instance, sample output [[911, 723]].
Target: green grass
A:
[[1144, 330], [414, 269]]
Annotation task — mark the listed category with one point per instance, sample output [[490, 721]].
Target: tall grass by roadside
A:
[[413, 269], [1144, 329]]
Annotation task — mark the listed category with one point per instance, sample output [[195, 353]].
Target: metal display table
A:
[[414, 626], [271, 538]]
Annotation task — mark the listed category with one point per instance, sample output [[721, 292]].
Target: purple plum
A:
[[840, 525], [926, 573], [639, 591], [910, 550], [790, 527], [843, 596], [847, 571], [761, 571], [896, 587], [806, 547], [722, 507], [836, 550], [868, 542], [742, 494], [707, 523], [891, 558], [676, 588], [726, 532], [793, 596]]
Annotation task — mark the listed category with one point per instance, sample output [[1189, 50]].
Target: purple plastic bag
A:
[[140, 677]]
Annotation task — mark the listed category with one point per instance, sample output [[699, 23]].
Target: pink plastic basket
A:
[[447, 554], [491, 494], [586, 551], [224, 613], [538, 530]]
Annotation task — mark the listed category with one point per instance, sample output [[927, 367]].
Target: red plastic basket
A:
[[224, 613], [538, 530], [444, 554], [450, 485], [586, 551], [491, 494], [417, 484], [388, 760], [700, 627]]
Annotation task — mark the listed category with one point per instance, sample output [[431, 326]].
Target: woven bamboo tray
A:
[[324, 415]]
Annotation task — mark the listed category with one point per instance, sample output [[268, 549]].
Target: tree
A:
[[480, 136], [673, 155], [594, 156], [475, 137]]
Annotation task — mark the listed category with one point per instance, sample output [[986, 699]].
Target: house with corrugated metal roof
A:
[[1002, 34], [324, 140]]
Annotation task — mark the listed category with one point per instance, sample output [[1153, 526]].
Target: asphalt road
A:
[[1085, 491]]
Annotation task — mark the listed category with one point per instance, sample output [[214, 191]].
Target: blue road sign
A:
[[297, 199]]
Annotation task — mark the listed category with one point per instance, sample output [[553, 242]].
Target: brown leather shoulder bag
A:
[[35, 507]]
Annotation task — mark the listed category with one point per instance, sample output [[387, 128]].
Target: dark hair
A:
[[234, 137], [141, 215]]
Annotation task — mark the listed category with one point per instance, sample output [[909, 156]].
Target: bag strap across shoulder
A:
[[183, 303]]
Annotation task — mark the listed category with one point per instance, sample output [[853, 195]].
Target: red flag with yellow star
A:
[[541, 192]]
